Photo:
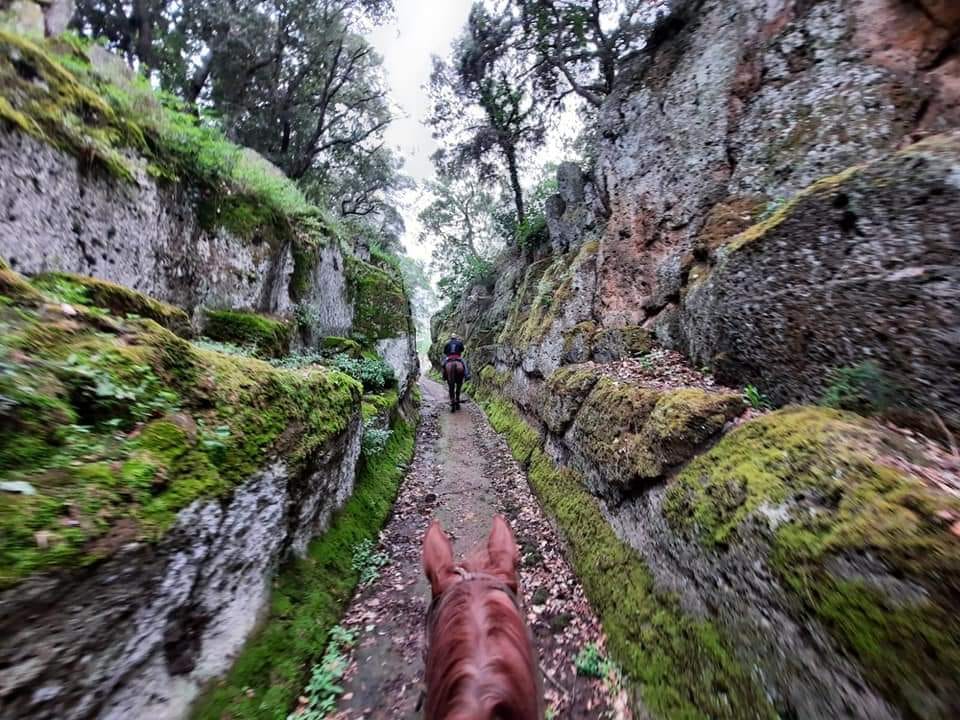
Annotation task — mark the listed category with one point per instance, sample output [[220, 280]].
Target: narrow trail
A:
[[463, 474]]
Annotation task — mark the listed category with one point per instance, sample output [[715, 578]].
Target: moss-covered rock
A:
[[341, 346], [611, 344], [380, 304], [118, 421], [867, 549], [309, 597], [564, 393], [631, 434], [683, 666], [270, 337], [119, 300]]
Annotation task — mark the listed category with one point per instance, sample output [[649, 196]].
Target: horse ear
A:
[[438, 558], [503, 552]]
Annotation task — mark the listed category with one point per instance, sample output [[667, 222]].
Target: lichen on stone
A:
[[844, 521], [379, 302], [631, 434]]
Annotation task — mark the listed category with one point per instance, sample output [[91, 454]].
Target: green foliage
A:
[[107, 387], [323, 689], [862, 388], [755, 399], [267, 336], [373, 373], [225, 348], [308, 597], [374, 440], [97, 112], [116, 420], [532, 232], [590, 662], [367, 561]]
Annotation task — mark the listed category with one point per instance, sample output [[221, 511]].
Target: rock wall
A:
[[775, 200], [159, 483], [142, 633]]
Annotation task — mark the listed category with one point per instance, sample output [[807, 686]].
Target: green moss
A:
[[268, 336], [380, 405], [786, 210], [380, 307], [309, 597], [117, 429], [342, 346], [119, 300], [681, 665], [611, 344], [821, 471], [633, 433]]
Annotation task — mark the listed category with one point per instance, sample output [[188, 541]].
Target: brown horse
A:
[[455, 371], [480, 659]]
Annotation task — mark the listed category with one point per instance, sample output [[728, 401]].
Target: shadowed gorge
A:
[[696, 259]]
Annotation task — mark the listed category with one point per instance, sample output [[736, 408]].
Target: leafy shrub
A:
[[532, 232], [862, 388], [367, 561], [299, 360], [372, 372], [374, 441], [756, 399]]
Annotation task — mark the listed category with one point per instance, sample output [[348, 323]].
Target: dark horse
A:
[[480, 659], [455, 371]]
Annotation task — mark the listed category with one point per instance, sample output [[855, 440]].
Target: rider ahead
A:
[[453, 350]]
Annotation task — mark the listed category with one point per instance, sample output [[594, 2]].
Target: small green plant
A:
[[367, 561], [108, 387], [374, 440], [862, 388], [324, 687], [373, 372], [756, 399], [214, 442], [590, 662]]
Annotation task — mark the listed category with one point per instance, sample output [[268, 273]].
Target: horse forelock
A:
[[481, 663]]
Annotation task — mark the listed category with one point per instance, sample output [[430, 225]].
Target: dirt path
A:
[[463, 474]]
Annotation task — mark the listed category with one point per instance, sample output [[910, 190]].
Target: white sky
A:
[[422, 28]]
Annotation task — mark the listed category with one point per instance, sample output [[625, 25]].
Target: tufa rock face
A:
[[861, 267], [756, 99]]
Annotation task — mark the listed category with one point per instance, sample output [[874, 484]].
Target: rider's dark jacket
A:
[[453, 347]]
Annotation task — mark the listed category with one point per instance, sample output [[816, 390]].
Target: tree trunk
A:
[[511, 153]]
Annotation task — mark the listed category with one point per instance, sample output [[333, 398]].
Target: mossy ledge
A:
[[862, 546], [268, 336], [682, 666], [117, 421], [119, 300], [309, 596]]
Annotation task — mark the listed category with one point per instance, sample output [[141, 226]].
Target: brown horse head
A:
[[480, 662]]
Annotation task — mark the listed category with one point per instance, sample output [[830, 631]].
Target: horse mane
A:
[[480, 663]]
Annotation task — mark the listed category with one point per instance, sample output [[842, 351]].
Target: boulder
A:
[[859, 268]]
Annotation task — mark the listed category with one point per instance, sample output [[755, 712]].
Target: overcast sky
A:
[[421, 29]]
